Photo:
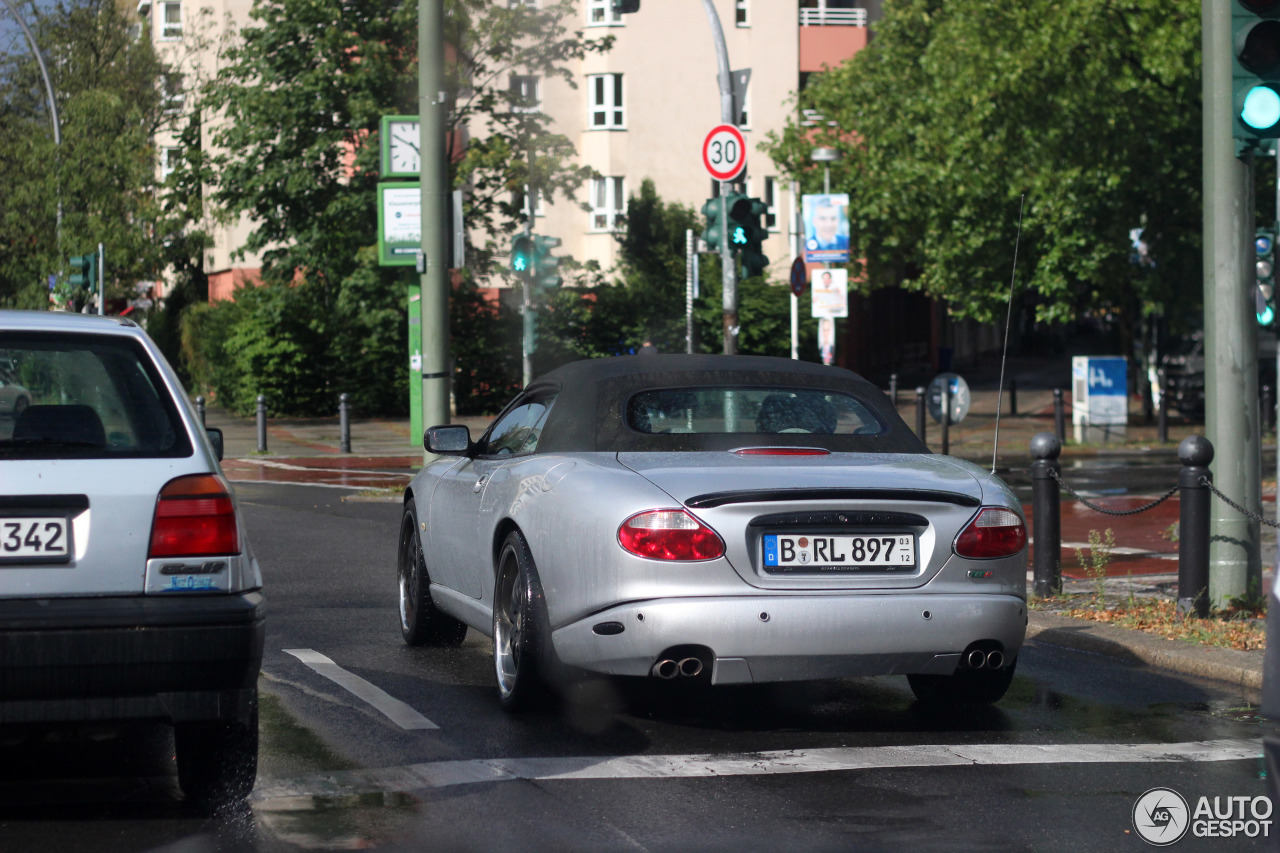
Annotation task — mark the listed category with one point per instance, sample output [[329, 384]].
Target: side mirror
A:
[[215, 438], [448, 440]]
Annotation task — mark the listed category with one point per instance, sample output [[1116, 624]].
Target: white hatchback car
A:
[[128, 590]]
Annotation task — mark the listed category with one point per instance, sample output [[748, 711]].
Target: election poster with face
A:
[[826, 228]]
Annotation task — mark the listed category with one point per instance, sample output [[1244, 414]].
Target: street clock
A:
[[400, 139]]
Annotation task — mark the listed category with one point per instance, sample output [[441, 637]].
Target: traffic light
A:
[[1255, 68], [522, 254], [746, 232], [714, 233], [546, 267], [84, 271], [1264, 248]]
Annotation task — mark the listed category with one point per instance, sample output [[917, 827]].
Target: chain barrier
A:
[[1115, 512], [1204, 481]]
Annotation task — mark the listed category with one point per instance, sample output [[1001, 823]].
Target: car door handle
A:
[[480, 483]]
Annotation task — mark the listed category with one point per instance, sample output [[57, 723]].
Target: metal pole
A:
[[690, 264], [946, 419], [1046, 515], [1267, 408], [1231, 333], [262, 424], [728, 274], [1059, 418], [1162, 413], [530, 318], [200, 410], [796, 250], [1195, 452], [102, 293], [893, 389], [434, 299], [921, 423], [344, 423]]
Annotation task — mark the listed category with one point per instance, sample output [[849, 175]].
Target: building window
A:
[[771, 203], [531, 4], [607, 201], [175, 97], [740, 12], [606, 100], [526, 95], [170, 20], [169, 158], [600, 13]]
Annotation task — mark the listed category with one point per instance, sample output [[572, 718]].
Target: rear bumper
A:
[[175, 658], [797, 638]]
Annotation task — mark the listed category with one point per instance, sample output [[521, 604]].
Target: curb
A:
[[1240, 668]]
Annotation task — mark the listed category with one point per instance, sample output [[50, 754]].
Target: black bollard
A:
[[1195, 453], [200, 409], [893, 389], [1013, 396], [946, 419], [344, 423], [1059, 418], [1162, 413], [1046, 514], [262, 424], [920, 414]]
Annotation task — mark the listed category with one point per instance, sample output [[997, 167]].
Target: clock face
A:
[[403, 148]]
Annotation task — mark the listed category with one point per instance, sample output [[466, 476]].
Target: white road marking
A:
[[398, 712], [443, 774]]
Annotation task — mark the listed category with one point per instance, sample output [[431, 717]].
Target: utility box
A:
[[1099, 398]]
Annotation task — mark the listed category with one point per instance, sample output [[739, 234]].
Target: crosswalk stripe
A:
[[443, 774], [398, 712]]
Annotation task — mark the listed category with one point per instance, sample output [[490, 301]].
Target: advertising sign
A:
[[826, 228], [1100, 390], [399, 223], [830, 293]]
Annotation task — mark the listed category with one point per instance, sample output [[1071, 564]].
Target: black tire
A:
[[421, 622], [965, 687], [522, 657], [217, 762]]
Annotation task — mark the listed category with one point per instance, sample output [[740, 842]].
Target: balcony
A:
[[829, 36]]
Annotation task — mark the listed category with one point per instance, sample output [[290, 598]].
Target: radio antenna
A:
[[1008, 318]]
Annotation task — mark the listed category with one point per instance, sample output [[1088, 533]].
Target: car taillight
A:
[[669, 534], [194, 518], [993, 532]]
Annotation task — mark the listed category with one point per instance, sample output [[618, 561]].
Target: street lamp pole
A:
[[728, 275]]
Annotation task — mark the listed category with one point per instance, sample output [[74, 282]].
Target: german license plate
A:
[[823, 552], [35, 539]]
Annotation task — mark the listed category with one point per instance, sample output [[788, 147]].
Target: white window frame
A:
[[174, 101], [770, 198], [169, 30], [600, 13], [605, 102], [534, 103], [742, 12], [169, 156], [608, 200]]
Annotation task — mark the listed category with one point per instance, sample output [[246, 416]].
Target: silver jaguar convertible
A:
[[732, 519]]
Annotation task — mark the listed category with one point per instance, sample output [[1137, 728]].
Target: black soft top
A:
[[592, 396]]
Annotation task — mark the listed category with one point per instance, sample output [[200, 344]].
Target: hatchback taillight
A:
[[194, 518], [994, 532], [669, 534]]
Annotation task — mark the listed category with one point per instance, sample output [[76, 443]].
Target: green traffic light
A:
[[520, 264], [740, 236], [1261, 108]]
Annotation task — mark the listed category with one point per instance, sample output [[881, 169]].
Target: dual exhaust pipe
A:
[[668, 668], [977, 659]]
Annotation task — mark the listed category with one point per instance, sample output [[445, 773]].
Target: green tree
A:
[[108, 86], [958, 110]]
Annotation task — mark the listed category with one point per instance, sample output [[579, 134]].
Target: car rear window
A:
[[754, 410], [84, 397]]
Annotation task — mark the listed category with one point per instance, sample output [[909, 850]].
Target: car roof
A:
[[64, 321], [592, 397]]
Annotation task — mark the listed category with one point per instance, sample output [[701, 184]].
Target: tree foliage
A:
[[958, 110]]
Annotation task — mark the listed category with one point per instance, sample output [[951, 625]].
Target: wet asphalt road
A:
[[329, 568]]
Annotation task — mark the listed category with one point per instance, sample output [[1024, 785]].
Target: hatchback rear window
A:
[[759, 410], [84, 397]]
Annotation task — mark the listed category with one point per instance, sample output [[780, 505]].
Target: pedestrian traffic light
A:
[[747, 234], [1255, 68], [84, 271], [522, 254], [1264, 248], [713, 236], [546, 267]]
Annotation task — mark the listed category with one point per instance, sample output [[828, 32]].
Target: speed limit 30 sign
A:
[[724, 152]]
